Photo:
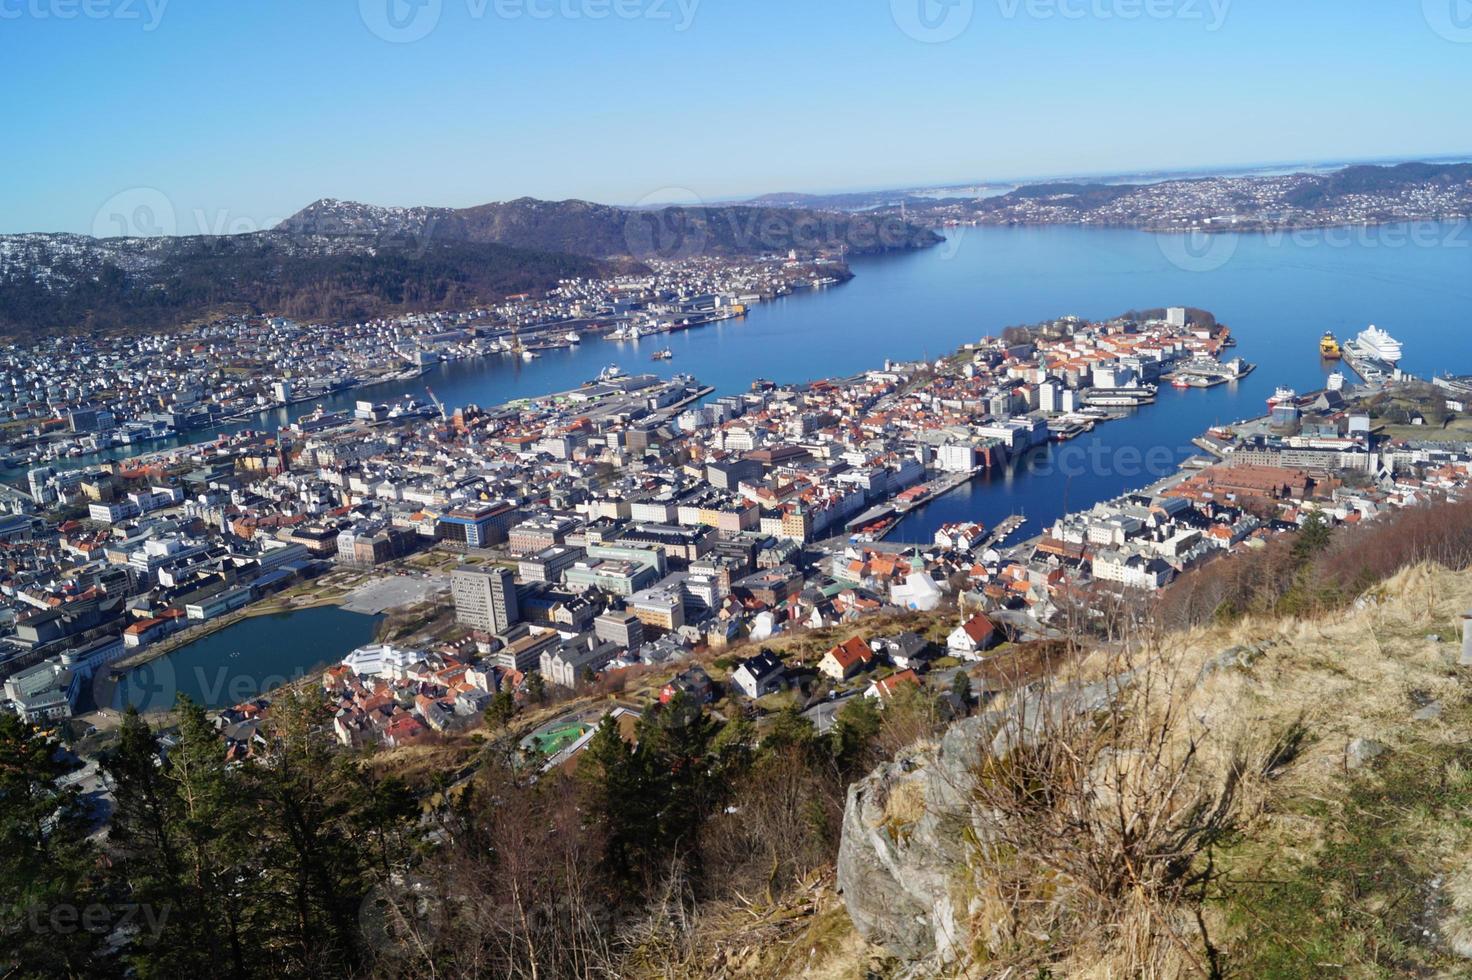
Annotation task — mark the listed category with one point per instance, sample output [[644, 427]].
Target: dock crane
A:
[[444, 415]]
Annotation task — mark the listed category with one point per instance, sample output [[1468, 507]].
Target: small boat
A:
[[1329, 348], [1181, 381], [572, 337], [529, 355], [663, 355], [1283, 396]]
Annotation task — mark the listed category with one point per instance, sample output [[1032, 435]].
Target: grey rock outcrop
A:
[[1361, 751], [911, 827]]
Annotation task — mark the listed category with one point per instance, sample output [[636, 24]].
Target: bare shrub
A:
[[1095, 808]]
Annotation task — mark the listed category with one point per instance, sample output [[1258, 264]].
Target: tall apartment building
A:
[[485, 598]]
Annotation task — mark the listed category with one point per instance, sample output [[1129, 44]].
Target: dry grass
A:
[[808, 935], [1122, 833]]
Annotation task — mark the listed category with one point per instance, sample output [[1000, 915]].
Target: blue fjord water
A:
[[1278, 293]]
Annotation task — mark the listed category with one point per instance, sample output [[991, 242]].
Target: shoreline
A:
[[1249, 227]]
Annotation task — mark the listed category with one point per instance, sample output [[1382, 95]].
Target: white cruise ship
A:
[[1378, 344]]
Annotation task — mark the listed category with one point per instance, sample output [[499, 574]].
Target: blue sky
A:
[[230, 115]]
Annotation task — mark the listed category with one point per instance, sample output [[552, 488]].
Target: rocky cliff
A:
[[1300, 784]]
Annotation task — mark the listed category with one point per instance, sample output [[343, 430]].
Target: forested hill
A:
[[67, 283], [603, 231], [340, 260]]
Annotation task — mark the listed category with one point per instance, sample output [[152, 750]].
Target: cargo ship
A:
[[1329, 347]]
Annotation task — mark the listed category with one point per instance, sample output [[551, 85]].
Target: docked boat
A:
[[1329, 348], [1283, 396], [529, 355], [1181, 381], [572, 337], [611, 373], [1376, 343], [663, 355]]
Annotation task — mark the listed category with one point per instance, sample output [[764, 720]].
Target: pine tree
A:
[[45, 861], [313, 875], [501, 710], [611, 795]]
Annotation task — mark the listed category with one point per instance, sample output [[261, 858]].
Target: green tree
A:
[[313, 876], [501, 710], [45, 860], [536, 687], [961, 686], [789, 728], [1313, 537], [612, 797], [854, 730]]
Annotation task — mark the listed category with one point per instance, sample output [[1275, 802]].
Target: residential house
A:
[[847, 659], [973, 637], [760, 675]]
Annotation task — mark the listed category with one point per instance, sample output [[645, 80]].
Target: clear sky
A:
[[230, 114]]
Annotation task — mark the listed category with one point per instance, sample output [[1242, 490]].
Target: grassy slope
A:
[[1361, 872], [1334, 871]]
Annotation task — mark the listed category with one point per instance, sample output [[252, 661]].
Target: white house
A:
[[973, 637], [760, 675]]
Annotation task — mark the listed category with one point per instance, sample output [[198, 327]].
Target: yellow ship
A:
[[1329, 347]]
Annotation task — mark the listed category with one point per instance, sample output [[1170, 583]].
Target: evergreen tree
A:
[[312, 872], [501, 710], [612, 798], [854, 731], [46, 883], [961, 686]]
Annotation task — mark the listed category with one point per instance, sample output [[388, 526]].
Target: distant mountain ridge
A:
[[348, 261], [344, 260], [68, 283], [1362, 195], [605, 231]]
